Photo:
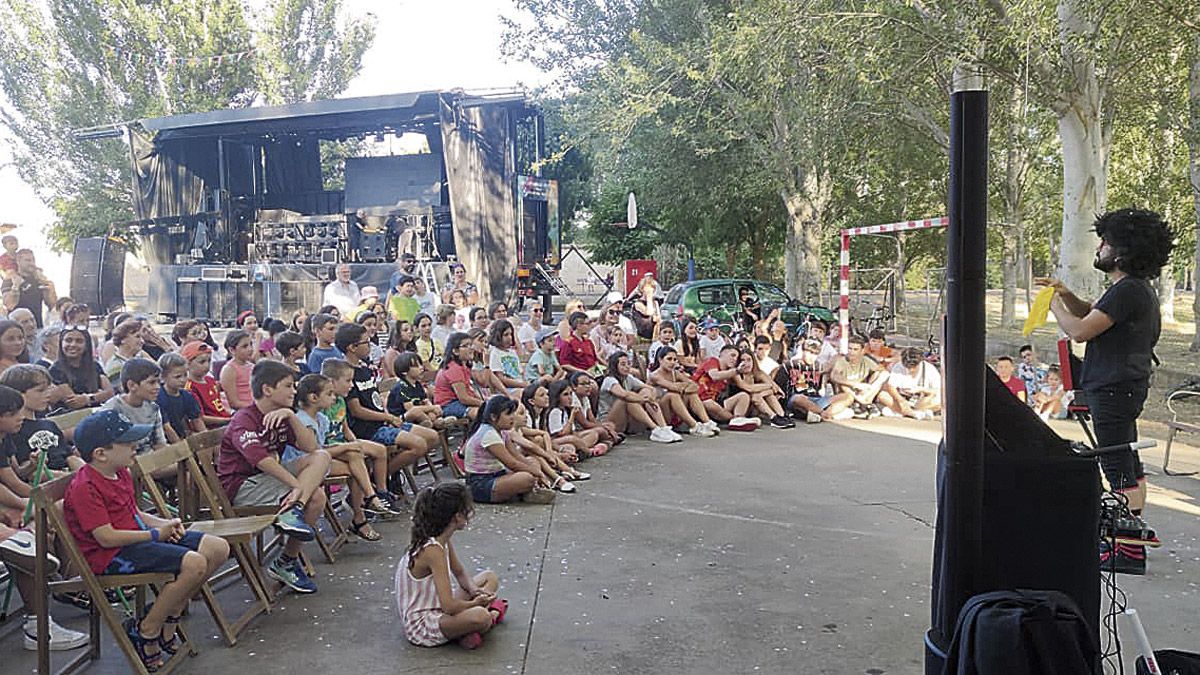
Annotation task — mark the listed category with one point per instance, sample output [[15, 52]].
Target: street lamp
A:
[[631, 222]]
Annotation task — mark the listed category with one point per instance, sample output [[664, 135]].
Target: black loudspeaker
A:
[[373, 247], [1041, 515], [98, 273]]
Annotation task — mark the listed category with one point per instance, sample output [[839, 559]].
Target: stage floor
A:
[[793, 551]]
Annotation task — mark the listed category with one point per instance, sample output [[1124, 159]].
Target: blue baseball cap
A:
[[106, 427], [709, 323]]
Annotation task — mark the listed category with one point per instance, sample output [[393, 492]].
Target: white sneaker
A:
[[812, 418], [924, 414], [22, 546], [701, 429], [565, 486], [844, 415], [675, 437], [61, 638], [714, 427], [888, 412], [660, 435]]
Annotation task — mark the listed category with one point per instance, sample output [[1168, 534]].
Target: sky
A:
[[419, 45]]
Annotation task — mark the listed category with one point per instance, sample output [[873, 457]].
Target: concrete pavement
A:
[[780, 551]]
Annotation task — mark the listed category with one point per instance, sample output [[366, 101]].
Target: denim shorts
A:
[[454, 408], [386, 435], [154, 556], [481, 485]]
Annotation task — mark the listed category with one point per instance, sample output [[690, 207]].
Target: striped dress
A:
[[417, 602]]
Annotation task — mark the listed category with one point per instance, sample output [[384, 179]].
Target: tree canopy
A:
[[80, 64]]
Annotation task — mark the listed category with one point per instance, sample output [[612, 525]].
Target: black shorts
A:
[[1114, 417], [154, 556]]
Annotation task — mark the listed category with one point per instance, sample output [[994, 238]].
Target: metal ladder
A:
[[556, 282]]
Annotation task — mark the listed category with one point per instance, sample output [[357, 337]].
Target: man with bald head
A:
[[342, 292]]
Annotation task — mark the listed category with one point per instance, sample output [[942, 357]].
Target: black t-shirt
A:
[[32, 294], [60, 374], [41, 435], [406, 392], [1120, 357], [365, 390]]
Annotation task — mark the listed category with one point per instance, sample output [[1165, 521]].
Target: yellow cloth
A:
[[1039, 310]]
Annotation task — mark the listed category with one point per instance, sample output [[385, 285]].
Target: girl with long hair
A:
[[81, 382], [495, 471]]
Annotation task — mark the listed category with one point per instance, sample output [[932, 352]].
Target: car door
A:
[[716, 299]]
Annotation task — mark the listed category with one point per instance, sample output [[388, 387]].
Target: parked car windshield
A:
[[770, 294], [675, 294]]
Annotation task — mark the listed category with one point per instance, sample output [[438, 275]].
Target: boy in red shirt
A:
[[712, 377], [203, 385], [252, 472], [116, 537], [1004, 369], [578, 352]]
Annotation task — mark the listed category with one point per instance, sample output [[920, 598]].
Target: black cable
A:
[[1112, 505]]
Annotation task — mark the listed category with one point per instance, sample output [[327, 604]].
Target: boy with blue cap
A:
[[116, 537]]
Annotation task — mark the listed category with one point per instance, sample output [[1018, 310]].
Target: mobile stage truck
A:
[[236, 209]]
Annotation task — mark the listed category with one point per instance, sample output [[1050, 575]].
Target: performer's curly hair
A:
[[1141, 239]]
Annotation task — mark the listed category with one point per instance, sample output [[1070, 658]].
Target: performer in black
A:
[[1120, 330]]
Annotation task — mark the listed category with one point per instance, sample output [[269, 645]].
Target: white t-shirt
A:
[[711, 349], [527, 333], [504, 361], [428, 302], [343, 296], [557, 420], [927, 377], [440, 334], [607, 397]]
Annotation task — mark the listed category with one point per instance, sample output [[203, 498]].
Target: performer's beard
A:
[[1105, 264]]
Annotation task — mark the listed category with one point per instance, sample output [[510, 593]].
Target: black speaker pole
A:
[[961, 460]]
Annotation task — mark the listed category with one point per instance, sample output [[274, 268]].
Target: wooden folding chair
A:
[[205, 446], [69, 420], [385, 386], [49, 517], [239, 532]]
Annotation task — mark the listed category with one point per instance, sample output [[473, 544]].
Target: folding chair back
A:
[[239, 532], [50, 517], [1068, 368], [69, 420]]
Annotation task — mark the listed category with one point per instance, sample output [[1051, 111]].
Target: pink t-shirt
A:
[[443, 391]]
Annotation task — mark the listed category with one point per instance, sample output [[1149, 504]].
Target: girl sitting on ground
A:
[[764, 393], [624, 397], [587, 401], [314, 393], [531, 449], [671, 381], [1049, 401], [689, 346], [431, 612], [534, 400], [562, 422], [496, 472]]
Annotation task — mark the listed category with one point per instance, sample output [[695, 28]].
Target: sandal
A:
[[579, 475], [563, 485], [365, 531], [170, 647], [500, 605], [152, 662], [597, 450]]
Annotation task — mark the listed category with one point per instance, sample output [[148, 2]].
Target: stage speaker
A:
[[1041, 514], [98, 273], [373, 246]]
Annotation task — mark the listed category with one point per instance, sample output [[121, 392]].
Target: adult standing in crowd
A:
[[342, 292], [28, 288], [1120, 330], [458, 282], [645, 306]]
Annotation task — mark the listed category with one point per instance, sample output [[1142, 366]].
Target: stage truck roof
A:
[[333, 118]]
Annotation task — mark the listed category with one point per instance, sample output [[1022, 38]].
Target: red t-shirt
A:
[[709, 388], [209, 397], [1016, 385], [93, 500], [245, 444], [578, 352], [443, 391]]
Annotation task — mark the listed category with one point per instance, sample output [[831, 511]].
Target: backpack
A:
[[1021, 632]]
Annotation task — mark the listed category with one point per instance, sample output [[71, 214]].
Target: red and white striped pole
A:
[[844, 274]]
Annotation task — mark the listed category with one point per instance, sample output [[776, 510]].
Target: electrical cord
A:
[[1112, 506]]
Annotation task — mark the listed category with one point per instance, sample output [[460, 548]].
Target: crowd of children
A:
[[366, 391]]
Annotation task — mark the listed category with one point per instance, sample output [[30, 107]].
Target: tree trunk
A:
[[805, 199], [1016, 166], [1085, 154], [1194, 171], [1166, 294], [1008, 275]]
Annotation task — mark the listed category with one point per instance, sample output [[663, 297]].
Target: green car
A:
[[719, 298]]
